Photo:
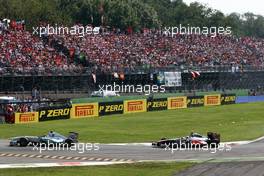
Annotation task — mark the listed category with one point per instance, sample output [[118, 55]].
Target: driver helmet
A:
[[51, 134]]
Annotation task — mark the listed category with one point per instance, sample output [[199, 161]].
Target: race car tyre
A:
[[23, 142], [68, 142]]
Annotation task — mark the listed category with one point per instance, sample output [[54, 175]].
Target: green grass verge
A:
[[234, 122], [242, 92], [139, 169]]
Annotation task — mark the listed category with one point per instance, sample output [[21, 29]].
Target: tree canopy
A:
[[136, 14]]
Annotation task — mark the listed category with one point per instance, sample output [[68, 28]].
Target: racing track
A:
[[248, 157]]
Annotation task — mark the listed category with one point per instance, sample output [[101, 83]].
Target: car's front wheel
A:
[[23, 142]]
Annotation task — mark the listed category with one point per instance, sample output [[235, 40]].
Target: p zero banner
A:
[[212, 100], [27, 117], [132, 106], [54, 113], [108, 108], [177, 102], [228, 99], [157, 104], [195, 101], [84, 110]]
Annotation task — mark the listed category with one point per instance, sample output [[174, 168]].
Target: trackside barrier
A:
[[89, 110]]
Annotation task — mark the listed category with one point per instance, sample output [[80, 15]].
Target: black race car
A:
[[212, 140]]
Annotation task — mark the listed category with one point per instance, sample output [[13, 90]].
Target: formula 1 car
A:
[[212, 140], [50, 138]]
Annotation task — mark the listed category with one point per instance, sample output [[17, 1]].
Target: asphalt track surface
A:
[[245, 159]]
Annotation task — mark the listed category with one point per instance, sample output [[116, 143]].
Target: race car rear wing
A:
[[73, 135], [213, 136]]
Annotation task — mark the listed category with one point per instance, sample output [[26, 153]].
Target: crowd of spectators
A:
[[117, 51], [21, 51]]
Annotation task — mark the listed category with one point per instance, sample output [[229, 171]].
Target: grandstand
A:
[[65, 63]]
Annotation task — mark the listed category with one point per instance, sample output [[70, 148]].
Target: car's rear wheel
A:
[[23, 142], [68, 142]]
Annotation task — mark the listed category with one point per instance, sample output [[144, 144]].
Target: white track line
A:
[[61, 164]]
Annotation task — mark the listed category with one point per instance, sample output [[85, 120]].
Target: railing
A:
[[8, 71]]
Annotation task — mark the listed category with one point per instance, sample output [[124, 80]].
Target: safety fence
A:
[[91, 110], [174, 81]]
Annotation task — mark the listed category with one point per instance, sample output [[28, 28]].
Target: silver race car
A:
[[50, 138]]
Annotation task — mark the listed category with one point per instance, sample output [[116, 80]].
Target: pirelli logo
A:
[[135, 106], [212, 100], [84, 110], [177, 102], [28, 117]]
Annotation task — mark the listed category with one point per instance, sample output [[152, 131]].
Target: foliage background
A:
[[136, 14]]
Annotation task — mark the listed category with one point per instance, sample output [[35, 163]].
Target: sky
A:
[[229, 6]]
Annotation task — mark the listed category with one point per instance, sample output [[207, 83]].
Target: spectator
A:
[[21, 52]]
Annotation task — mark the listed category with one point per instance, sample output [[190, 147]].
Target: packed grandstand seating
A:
[[115, 51], [23, 52]]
